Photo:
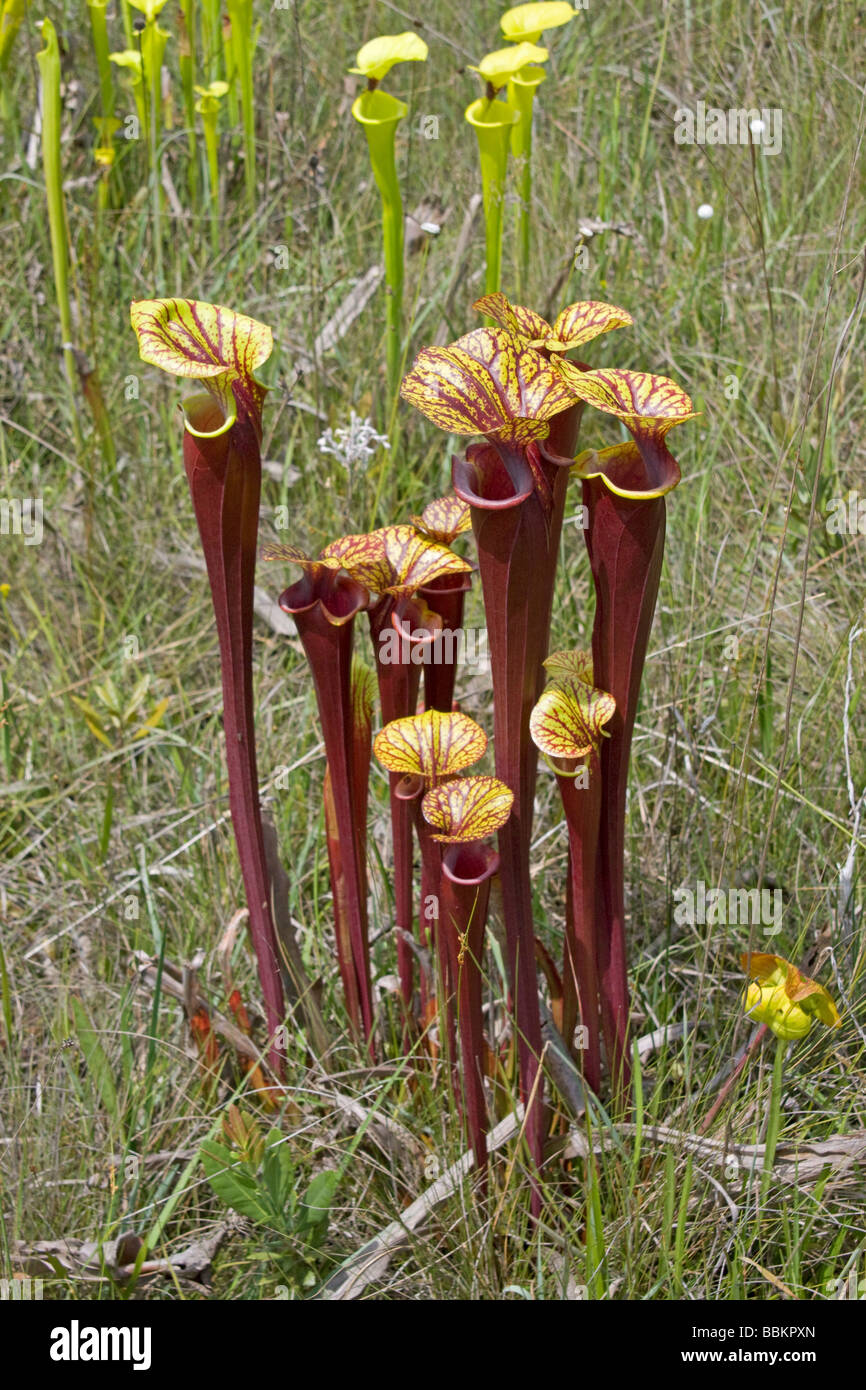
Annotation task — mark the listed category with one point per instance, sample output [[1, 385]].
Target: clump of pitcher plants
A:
[[514, 385], [516, 389]]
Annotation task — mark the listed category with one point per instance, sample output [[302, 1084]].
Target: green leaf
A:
[[234, 1185], [316, 1206], [765, 710], [98, 1065], [277, 1172], [6, 993]]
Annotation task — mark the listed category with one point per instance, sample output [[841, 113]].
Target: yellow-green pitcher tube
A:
[[48, 59], [128, 31], [153, 42], [131, 61], [106, 127], [493, 122], [209, 109], [243, 45], [379, 113], [211, 141], [106, 124], [211, 29], [99, 32], [140, 98], [187, 64], [230, 67], [521, 95], [12, 14]]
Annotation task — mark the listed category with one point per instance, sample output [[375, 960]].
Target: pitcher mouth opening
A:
[[377, 108], [488, 114], [484, 479], [410, 787], [470, 864], [632, 469], [340, 597], [448, 584], [415, 622], [205, 417]]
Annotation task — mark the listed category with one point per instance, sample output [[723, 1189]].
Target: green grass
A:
[[739, 764]]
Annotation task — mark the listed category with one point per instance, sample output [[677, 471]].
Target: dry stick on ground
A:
[[100, 1262], [795, 1162], [565, 1074], [178, 982], [393, 1139], [182, 985]]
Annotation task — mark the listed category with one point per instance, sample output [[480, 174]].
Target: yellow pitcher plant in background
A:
[[526, 24], [380, 113], [243, 46], [208, 106], [493, 122], [153, 39], [48, 59], [187, 60], [99, 33], [130, 60]]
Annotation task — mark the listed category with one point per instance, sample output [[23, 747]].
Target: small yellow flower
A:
[[786, 1001]]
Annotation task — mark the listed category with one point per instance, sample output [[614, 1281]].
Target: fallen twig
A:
[[794, 1161], [92, 1261]]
